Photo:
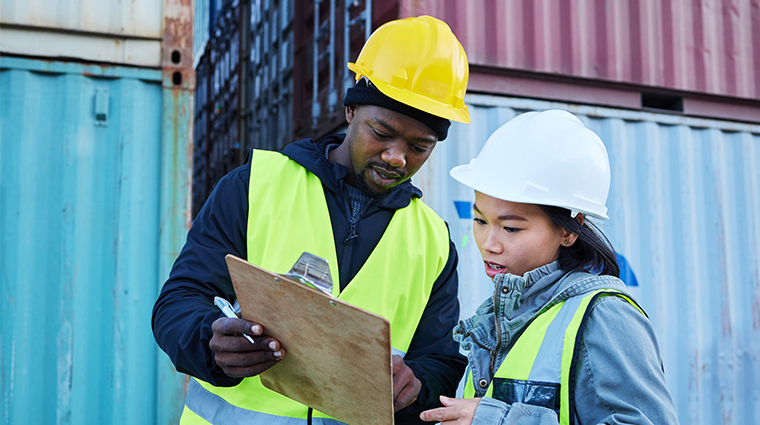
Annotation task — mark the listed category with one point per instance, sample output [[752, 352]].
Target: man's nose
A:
[[394, 156]]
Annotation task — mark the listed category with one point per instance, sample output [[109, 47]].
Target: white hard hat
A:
[[546, 158]]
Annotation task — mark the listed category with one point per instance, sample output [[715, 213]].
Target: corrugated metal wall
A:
[[268, 83], [245, 91], [684, 210], [201, 28], [112, 31], [326, 36], [90, 220], [707, 46], [220, 114], [134, 17]]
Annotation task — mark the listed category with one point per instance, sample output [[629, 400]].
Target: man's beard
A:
[[361, 184]]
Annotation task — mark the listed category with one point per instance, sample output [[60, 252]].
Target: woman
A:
[[560, 341]]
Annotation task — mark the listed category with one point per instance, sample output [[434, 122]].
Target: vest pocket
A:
[[544, 394]]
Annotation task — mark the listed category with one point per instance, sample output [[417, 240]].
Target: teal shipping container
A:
[[94, 207]]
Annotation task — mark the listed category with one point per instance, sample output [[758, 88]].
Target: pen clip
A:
[[228, 311], [225, 306], [221, 302]]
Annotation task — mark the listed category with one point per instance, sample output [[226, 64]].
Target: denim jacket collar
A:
[[510, 293], [490, 333]]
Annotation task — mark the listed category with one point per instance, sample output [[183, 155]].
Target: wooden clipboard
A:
[[338, 356]]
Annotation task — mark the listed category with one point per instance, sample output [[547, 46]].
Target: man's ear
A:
[[350, 112]]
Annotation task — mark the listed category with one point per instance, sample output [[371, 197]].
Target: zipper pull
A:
[[352, 234]]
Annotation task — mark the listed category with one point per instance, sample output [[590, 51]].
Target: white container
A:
[[684, 210]]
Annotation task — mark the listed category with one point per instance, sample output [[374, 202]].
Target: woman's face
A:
[[515, 238]]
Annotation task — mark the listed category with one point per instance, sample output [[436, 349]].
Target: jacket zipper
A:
[[348, 247], [352, 232], [496, 306]]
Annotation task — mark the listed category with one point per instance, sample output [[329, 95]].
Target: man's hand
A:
[[406, 386], [455, 410], [236, 355]]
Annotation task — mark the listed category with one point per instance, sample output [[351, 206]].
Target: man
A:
[[346, 198]]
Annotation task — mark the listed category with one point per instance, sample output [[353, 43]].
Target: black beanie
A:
[[367, 94]]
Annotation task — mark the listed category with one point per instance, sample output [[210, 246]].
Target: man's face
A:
[[384, 148]]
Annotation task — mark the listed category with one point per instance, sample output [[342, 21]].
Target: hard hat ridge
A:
[[547, 158]]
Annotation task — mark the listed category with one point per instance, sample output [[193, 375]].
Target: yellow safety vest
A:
[[288, 215], [538, 368]]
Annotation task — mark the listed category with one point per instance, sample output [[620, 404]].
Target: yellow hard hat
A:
[[418, 62]]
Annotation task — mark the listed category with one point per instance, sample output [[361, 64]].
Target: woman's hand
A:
[[455, 410]]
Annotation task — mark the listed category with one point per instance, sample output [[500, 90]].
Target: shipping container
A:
[[203, 110], [328, 35], [219, 93], [138, 18], [249, 59], [202, 19], [675, 57], [225, 120], [93, 211], [684, 209], [208, 19], [698, 57], [95, 145], [101, 31], [270, 75]]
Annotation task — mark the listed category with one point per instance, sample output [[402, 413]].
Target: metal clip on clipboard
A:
[[312, 271]]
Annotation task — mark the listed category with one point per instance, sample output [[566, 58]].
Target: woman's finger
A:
[[440, 414], [448, 402]]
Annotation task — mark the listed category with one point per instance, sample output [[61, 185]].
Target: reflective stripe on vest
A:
[[299, 217], [207, 404], [538, 368]]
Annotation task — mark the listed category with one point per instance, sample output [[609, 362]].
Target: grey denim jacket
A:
[[619, 377]]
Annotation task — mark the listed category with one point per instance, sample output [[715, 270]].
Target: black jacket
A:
[[184, 311]]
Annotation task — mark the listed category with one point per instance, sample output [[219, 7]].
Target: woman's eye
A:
[[479, 221], [511, 229]]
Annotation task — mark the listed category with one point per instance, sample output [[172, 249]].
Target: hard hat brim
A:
[[465, 175], [415, 100]]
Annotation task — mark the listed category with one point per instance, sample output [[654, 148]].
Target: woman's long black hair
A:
[[591, 252]]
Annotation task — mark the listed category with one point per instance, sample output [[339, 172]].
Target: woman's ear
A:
[[568, 239]]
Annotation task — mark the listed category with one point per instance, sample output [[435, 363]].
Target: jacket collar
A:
[[311, 155], [549, 284], [525, 297]]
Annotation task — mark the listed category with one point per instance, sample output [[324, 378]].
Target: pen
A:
[[226, 308]]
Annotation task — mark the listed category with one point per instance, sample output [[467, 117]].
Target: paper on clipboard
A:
[[338, 356]]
